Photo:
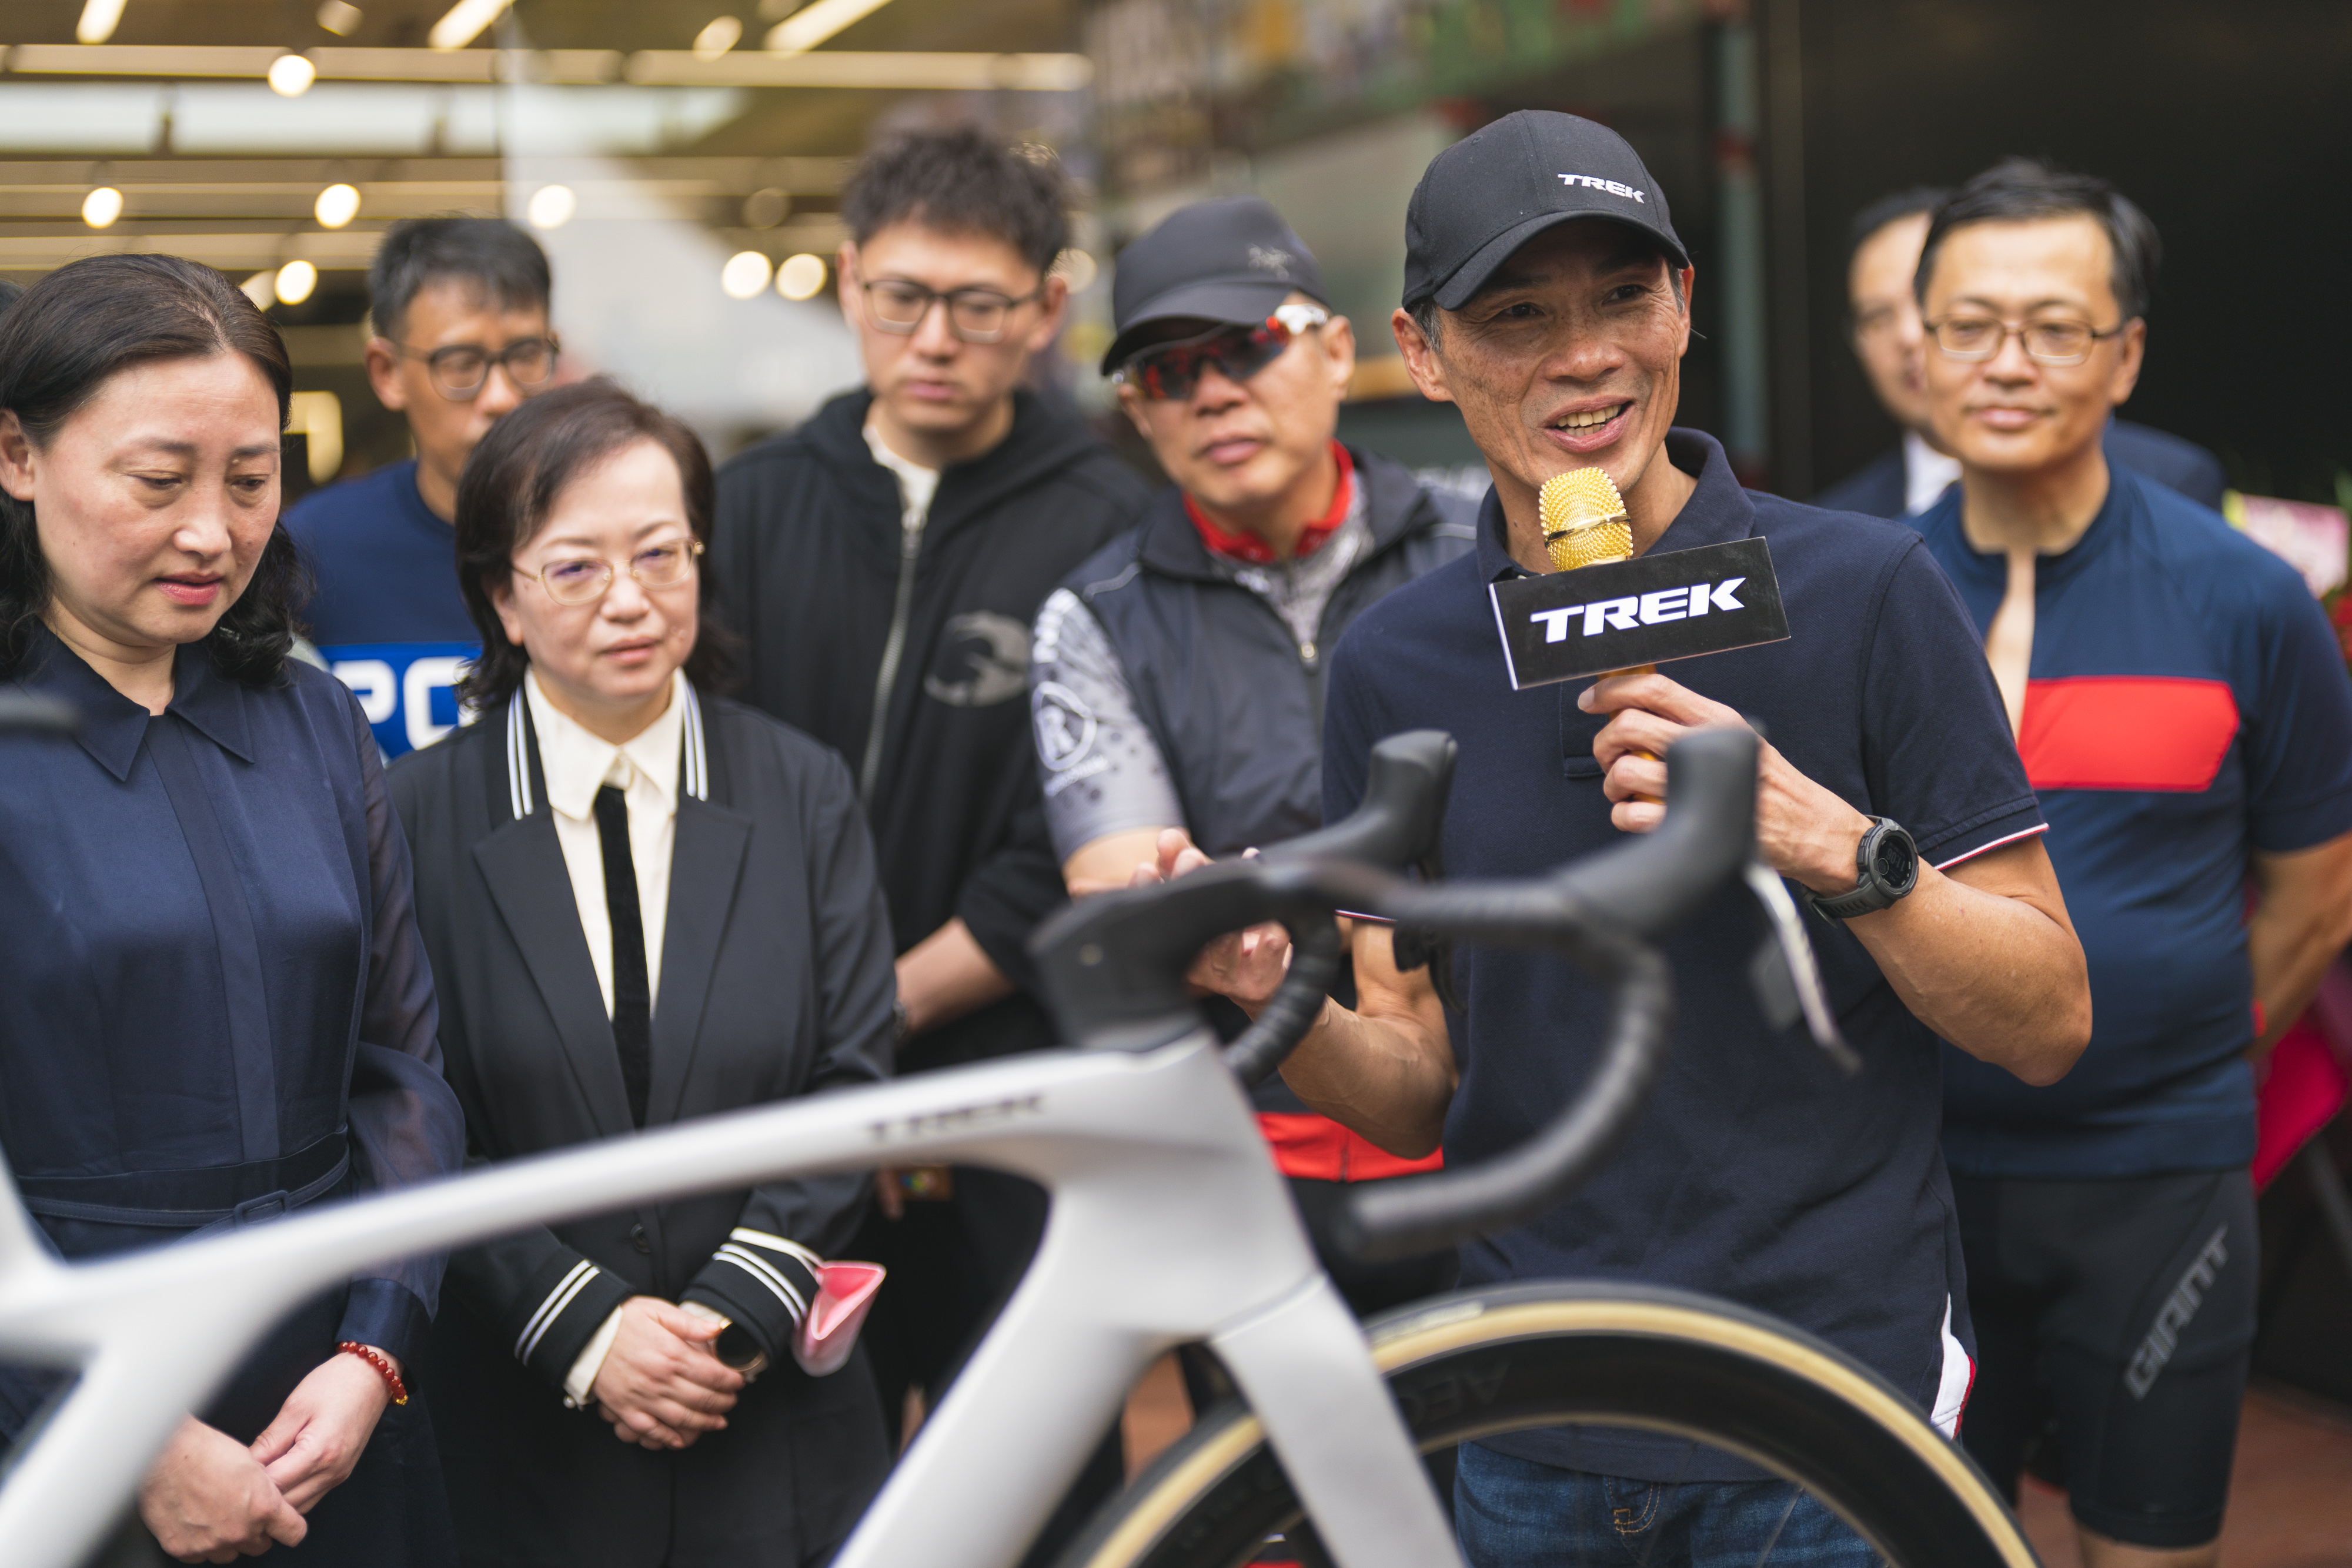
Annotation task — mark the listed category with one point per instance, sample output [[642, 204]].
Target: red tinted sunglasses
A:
[[1173, 369]]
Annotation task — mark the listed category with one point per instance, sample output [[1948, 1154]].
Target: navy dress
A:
[[217, 1009]]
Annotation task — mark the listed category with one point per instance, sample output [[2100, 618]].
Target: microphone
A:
[[1584, 524]]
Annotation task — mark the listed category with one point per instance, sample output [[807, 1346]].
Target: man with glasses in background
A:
[[883, 565], [459, 307], [2183, 712], [1888, 341], [1177, 677]]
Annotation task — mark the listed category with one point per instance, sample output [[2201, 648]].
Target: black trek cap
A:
[[1500, 187], [1231, 260]]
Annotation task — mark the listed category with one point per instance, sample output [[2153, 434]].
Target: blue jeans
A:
[[1515, 1514]]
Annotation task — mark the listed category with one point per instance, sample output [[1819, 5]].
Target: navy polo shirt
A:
[[1758, 1173], [2186, 706], [387, 616]]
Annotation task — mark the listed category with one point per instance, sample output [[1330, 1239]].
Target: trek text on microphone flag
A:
[[1645, 610]]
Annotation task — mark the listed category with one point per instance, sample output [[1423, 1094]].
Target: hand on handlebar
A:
[[1243, 967], [1803, 829]]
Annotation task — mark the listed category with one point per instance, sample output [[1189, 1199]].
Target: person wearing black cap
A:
[[1177, 677], [1548, 295]]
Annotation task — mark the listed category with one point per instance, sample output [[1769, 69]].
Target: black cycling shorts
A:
[[2118, 1315]]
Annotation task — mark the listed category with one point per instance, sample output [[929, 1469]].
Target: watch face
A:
[[1896, 861]]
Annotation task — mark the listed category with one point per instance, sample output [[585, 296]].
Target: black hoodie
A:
[[814, 571]]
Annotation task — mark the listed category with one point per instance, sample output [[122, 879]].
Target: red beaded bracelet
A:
[[384, 1367]]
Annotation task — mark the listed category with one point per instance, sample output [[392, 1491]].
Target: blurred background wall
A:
[[676, 156]]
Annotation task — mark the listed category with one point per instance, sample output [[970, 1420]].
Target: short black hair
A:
[[963, 181], [1891, 209], [59, 344], [511, 481], [2021, 190], [498, 258]]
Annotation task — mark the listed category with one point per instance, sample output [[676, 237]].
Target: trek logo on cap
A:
[[1612, 186], [1645, 610]]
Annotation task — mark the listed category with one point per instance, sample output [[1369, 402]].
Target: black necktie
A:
[[633, 1008]]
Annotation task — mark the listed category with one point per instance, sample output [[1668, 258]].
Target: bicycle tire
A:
[[1482, 1362]]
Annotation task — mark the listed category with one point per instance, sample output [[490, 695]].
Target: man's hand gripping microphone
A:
[[1584, 524]]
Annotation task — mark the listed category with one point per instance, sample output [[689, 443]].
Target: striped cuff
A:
[[763, 1282], [559, 1312]]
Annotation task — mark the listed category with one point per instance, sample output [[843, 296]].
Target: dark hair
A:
[[59, 345], [963, 181], [511, 482], [10, 292], [2020, 190], [499, 259], [1902, 204]]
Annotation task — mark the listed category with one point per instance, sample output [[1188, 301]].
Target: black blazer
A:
[[1876, 489], [776, 982]]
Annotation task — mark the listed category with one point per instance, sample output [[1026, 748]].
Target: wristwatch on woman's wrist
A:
[[1886, 867]]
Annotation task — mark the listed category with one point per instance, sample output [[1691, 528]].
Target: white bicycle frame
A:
[[1168, 1224]]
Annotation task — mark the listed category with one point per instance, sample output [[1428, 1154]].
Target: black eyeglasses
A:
[[974, 315], [462, 370], [1171, 370], [2046, 342]]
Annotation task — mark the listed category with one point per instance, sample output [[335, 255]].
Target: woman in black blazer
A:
[[585, 993]]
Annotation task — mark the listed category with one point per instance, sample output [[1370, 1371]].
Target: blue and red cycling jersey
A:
[[2186, 706]]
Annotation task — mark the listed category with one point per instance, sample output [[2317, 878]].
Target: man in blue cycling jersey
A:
[[2184, 714]]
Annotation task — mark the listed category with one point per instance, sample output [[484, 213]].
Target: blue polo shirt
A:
[[2186, 706], [1758, 1173], [387, 616]]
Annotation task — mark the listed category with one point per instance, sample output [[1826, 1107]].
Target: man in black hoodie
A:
[[884, 564]]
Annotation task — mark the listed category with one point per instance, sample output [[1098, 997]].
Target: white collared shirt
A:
[[644, 768], [1926, 473]]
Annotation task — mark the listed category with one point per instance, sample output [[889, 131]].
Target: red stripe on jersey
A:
[[1321, 1149], [2127, 732]]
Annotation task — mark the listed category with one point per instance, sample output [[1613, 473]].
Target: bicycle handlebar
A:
[[1115, 964]]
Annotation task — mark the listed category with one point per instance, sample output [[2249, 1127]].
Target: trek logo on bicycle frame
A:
[[962, 1119], [1645, 610]]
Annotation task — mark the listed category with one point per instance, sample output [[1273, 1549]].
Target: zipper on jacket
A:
[[894, 648]]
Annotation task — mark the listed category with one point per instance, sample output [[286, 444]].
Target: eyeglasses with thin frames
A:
[[584, 580], [898, 305], [1978, 338], [461, 370]]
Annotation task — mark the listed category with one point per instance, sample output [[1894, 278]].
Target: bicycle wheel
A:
[[1484, 1363]]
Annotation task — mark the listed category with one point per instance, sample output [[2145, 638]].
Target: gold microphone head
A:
[[1584, 521]]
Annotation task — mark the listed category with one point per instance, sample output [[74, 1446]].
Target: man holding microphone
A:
[[1548, 296]]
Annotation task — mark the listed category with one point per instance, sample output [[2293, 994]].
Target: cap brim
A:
[[1243, 302], [1472, 275]]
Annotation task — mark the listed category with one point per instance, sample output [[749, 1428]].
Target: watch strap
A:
[[1869, 893]]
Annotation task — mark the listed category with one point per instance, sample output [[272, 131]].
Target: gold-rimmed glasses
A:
[[2046, 342], [583, 579]]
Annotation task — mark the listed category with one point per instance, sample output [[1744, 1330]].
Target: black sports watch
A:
[[1885, 868]]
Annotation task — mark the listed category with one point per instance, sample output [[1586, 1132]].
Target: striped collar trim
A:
[[693, 774]]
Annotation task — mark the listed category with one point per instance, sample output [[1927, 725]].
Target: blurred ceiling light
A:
[[339, 204], [465, 22], [722, 35], [101, 206], [801, 277], [99, 20], [1077, 269], [767, 207], [295, 281], [290, 76], [339, 18], [807, 29], [261, 288], [891, 70], [745, 276], [550, 206]]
